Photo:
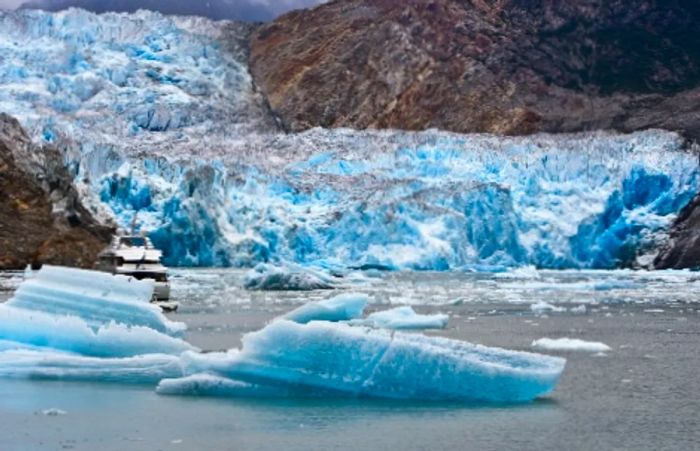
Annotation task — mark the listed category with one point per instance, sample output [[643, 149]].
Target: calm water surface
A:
[[643, 395]]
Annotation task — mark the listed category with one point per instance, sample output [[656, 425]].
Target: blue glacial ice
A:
[[340, 359], [96, 298], [47, 364], [288, 277], [87, 313], [421, 201], [307, 352], [344, 307], [403, 317], [158, 118]]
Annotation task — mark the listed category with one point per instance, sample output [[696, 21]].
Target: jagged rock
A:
[[500, 66], [41, 217], [683, 249]]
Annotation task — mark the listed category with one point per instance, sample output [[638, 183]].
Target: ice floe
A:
[[87, 313], [348, 360], [343, 307], [569, 344], [544, 307], [288, 277], [403, 317]]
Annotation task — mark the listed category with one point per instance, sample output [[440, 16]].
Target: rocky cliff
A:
[[500, 66], [683, 249], [41, 217]]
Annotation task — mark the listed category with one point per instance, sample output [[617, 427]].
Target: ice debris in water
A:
[[53, 412], [403, 318], [542, 307], [288, 277], [343, 307], [341, 359], [569, 344], [88, 313]]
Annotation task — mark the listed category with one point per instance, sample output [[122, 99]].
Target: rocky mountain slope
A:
[[41, 217], [500, 66]]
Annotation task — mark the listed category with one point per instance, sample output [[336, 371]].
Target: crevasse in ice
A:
[[158, 117]]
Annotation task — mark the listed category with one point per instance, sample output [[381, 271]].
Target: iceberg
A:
[[569, 344], [287, 277], [96, 298], [345, 360], [339, 308], [87, 313], [403, 318], [542, 307]]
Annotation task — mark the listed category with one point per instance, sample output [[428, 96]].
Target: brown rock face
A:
[[500, 66], [683, 249], [41, 217]]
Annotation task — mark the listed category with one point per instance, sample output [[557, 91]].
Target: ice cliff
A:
[[158, 118]]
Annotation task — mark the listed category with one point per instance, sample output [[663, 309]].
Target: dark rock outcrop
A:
[[500, 66], [41, 217], [683, 249]]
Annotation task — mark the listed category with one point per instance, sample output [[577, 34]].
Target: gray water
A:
[[644, 394]]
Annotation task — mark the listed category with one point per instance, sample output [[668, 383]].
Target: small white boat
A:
[[135, 256]]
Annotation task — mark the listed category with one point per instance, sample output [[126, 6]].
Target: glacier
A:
[[161, 123], [412, 201]]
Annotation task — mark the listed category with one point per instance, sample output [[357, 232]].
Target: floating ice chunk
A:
[[287, 277], [69, 333], [580, 310], [543, 307], [53, 412], [339, 308], [211, 385], [404, 318], [569, 344], [97, 298], [357, 361], [56, 365]]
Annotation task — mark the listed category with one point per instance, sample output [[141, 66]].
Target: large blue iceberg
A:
[[339, 359]]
